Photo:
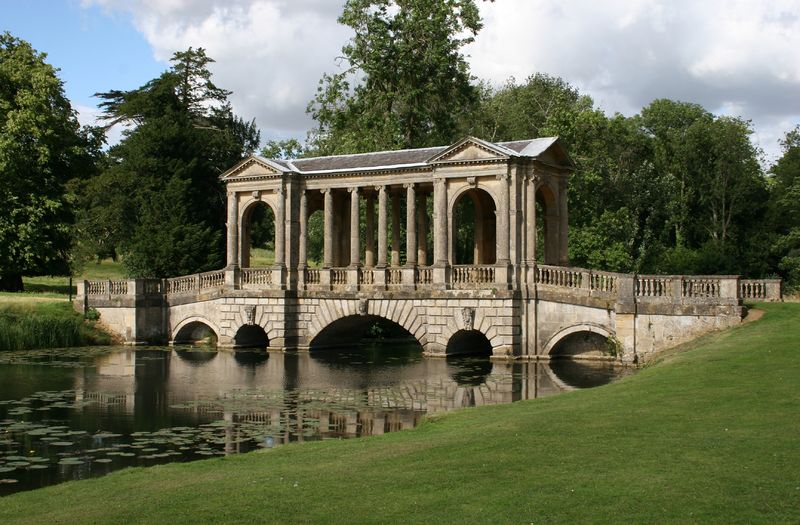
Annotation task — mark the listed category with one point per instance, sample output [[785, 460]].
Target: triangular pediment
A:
[[253, 166], [471, 149]]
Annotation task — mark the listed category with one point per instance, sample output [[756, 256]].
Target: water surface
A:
[[78, 413]]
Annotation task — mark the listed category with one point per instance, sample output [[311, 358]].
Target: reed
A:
[[45, 325]]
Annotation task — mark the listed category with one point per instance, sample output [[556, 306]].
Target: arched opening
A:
[[366, 343], [474, 228], [582, 345], [356, 330], [468, 342], [258, 236], [250, 336], [315, 243], [547, 225], [195, 333]]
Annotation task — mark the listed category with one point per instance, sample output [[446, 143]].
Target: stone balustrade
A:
[[655, 289]]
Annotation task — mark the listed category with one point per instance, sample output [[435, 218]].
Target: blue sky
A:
[[734, 57], [95, 50]]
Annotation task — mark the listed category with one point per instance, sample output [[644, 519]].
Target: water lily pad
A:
[[71, 461], [8, 481], [103, 460], [62, 443], [38, 467], [7, 469]]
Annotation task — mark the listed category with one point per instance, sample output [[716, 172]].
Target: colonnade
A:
[[508, 237], [342, 226]]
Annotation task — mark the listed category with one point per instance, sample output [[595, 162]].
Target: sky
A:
[[734, 57]]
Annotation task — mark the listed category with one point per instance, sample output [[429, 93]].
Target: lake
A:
[[83, 412]]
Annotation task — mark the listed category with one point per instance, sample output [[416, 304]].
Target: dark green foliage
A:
[[406, 82], [785, 209], [159, 201], [42, 147]]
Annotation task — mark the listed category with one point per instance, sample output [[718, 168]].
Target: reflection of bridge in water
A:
[[510, 289], [298, 396]]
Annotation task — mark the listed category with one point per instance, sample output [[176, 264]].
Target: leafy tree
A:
[[42, 147], [406, 82], [166, 210], [785, 208]]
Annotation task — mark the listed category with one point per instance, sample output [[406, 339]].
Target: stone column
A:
[[563, 230], [355, 248], [395, 229], [440, 222], [411, 226], [280, 229], [233, 230], [530, 221], [503, 256], [422, 229], [303, 248], [369, 256], [382, 226], [328, 243]]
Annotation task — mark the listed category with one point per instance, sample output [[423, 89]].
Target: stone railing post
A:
[[729, 289], [231, 278], [325, 278], [407, 276], [352, 278], [773, 289], [677, 289], [626, 294], [586, 280]]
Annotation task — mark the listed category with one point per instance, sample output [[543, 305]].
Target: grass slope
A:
[[709, 435]]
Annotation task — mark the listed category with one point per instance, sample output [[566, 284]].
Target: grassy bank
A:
[[28, 322], [709, 435]]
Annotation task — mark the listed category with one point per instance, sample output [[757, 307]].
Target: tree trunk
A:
[[11, 283]]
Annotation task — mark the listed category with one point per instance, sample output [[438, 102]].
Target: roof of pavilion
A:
[[409, 158]]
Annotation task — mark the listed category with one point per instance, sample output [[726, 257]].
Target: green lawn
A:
[[708, 435], [105, 269]]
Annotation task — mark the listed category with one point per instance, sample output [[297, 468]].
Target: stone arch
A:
[[251, 336], [487, 325], [193, 320], [260, 318], [477, 342], [484, 232], [559, 336], [245, 212], [548, 217], [400, 311]]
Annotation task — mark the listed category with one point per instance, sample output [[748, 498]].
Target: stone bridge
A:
[[510, 291]]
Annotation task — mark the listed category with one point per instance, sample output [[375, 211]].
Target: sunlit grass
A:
[[706, 436], [45, 324]]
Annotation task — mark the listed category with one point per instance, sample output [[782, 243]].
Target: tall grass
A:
[[49, 325]]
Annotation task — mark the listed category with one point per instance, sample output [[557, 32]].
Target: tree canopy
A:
[[405, 79], [158, 200], [42, 147]]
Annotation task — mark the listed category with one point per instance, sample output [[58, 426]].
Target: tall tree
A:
[[406, 79], [42, 147], [785, 208], [166, 207]]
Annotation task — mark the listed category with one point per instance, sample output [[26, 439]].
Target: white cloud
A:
[[728, 55], [270, 53]]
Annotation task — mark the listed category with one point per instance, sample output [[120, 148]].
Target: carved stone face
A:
[[468, 318], [362, 306], [250, 314]]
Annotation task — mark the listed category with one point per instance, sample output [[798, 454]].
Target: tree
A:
[[785, 208], [42, 147], [165, 211], [406, 80]]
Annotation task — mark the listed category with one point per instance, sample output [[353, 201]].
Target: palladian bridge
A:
[[512, 293]]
